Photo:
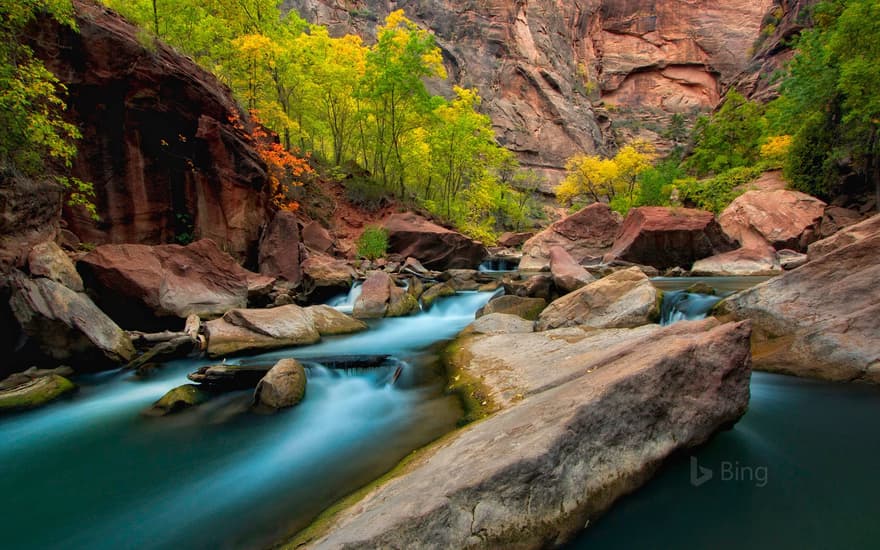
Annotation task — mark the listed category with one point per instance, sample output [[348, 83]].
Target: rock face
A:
[[145, 287], [63, 325], [30, 211], [573, 439], [852, 234], [780, 218], [586, 234], [435, 247], [283, 386], [820, 320], [540, 66], [742, 262], [568, 275], [624, 299], [668, 237], [158, 138], [279, 249]]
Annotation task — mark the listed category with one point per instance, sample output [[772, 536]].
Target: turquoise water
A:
[[91, 472], [798, 471]]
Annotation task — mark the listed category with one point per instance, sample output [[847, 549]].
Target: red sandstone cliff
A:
[[562, 77], [157, 141]]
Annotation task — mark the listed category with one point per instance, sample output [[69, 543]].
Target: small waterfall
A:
[[345, 302], [499, 265], [681, 305]]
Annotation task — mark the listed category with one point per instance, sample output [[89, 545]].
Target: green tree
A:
[[729, 138], [35, 138]]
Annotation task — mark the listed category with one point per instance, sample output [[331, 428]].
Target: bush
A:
[[714, 194], [373, 243]]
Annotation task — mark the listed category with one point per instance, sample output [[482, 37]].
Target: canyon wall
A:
[[563, 77], [158, 145]]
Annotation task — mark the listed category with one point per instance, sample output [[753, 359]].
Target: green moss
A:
[[178, 399], [404, 306], [436, 291], [35, 393], [656, 311], [470, 390]]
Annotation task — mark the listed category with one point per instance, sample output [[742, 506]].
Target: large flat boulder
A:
[[668, 237], [780, 218], [565, 447], [742, 262], [434, 246], [586, 234], [624, 299], [63, 325], [821, 319], [260, 329], [279, 255], [148, 287]]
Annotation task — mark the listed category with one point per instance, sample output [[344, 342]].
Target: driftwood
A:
[[141, 338], [175, 348]]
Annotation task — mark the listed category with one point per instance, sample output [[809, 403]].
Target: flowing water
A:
[[91, 472]]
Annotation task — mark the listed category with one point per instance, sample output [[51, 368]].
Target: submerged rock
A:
[[34, 393], [820, 320], [624, 299], [283, 386], [439, 290], [178, 399], [381, 297], [569, 441]]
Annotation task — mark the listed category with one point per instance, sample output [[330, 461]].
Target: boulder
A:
[[329, 321], [623, 299], [780, 218], [845, 237], [588, 233], [568, 275], [325, 276], [63, 325], [500, 323], [534, 286], [527, 308], [791, 259], [834, 219], [439, 290], [279, 249], [178, 399], [260, 329], [48, 260], [513, 240], [316, 238], [667, 237], [381, 297], [283, 386], [34, 393], [820, 320], [569, 442], [435, 247], [743, 262], [375, 295], [154, 287], [31, 374]]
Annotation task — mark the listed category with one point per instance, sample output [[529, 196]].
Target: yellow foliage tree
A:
[[604, 179]]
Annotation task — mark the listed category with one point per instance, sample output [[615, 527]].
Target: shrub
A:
[[373, 243], [714, 194]]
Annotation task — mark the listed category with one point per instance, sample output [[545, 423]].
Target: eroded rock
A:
[[283, 386], [34, 393], [588, 233], [260, 329], [780, 218], [568, 275], [435, 247], [624, 299], [742, 262]]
